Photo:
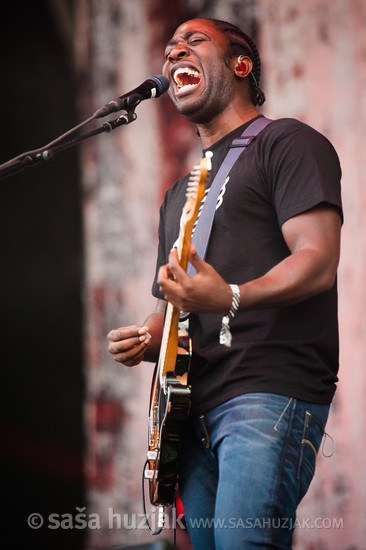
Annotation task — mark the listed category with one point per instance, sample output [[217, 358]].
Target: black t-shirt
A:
[[288, 169]]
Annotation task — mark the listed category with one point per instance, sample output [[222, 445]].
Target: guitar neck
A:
[[169, 343], [195, 192]]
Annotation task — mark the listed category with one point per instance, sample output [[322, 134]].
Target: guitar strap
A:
[[203, 227]]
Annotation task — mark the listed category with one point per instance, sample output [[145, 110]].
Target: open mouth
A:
[[186, 78]]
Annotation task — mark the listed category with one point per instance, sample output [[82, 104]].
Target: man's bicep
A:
[[317, 229]]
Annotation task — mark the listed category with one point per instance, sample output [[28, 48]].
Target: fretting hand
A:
[[205, 292]]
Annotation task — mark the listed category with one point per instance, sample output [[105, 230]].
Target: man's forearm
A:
[[296, 278], [155, 322]]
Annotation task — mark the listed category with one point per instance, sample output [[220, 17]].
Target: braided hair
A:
[[242, 43]]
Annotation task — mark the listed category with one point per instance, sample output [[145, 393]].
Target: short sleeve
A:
[[304, 170], [161, 258]]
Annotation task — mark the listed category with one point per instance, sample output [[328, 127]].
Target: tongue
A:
[[189, 79]]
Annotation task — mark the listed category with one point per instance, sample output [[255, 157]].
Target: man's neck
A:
[[223, 124]]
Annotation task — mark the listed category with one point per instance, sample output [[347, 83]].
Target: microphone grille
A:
[[162, 84]]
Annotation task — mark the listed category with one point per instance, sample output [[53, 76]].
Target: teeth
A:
[[186, 71]]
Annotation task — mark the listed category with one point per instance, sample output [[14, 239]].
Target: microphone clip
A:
[[128, 104], [130, 116]]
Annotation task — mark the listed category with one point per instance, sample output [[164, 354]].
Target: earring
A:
[[241, 65]]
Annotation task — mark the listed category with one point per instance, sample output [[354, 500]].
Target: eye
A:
[[195, 41]]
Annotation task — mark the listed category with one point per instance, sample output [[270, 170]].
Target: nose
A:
[[178, 52]]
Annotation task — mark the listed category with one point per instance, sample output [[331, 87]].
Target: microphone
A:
[[154, 86]]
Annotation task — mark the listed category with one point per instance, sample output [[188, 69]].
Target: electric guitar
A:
[[170, 393]]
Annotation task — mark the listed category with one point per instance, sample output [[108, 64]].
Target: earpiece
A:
[[241, 65]]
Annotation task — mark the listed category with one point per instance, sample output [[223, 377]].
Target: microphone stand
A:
[[47, 152]]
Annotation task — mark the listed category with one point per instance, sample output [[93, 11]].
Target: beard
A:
[[212, 102]]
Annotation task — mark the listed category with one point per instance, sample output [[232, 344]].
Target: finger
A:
[[195, 259], [137, 358], [123, 333], [132, 356], [163, 274], [134, 359], [175, 266], [127, 344]]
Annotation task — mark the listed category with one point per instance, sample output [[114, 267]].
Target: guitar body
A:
[[174, 405], [170, 402], [170, 397]]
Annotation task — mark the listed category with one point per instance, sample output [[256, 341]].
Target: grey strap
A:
[[203, 227]]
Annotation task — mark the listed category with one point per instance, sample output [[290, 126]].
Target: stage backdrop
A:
[[314, 69]]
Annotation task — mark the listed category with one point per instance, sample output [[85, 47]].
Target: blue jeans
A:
[[245, 466]]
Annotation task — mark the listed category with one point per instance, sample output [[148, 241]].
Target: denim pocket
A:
[[310, 442]]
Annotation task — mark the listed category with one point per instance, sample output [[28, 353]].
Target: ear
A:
[[243, 66]]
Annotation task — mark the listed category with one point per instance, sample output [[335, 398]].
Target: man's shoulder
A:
[[295, 132], [286, 126]]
